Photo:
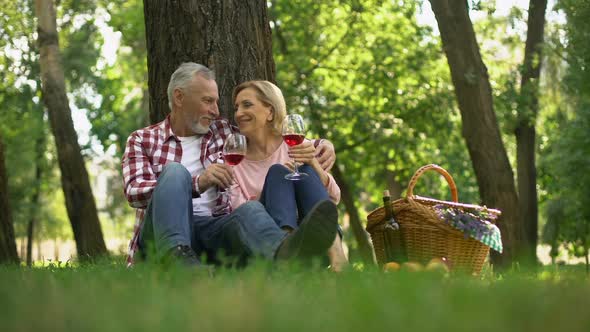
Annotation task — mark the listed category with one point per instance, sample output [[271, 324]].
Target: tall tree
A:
[[7, 244], [480, 126], [231, 37], [525, 131], [39, 150], [74, 177]]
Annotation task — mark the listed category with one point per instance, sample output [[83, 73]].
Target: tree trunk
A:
[[362, 239], [39, 151], [394, 186], [232, 37], [525, 130], [480, 126], [8, 252], [55, 250], [74, 177]]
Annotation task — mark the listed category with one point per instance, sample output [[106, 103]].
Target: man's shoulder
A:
[[222, 126], [151, 130]]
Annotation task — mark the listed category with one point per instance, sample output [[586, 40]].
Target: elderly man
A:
[[174, 177]]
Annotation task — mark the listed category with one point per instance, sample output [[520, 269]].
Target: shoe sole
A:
[[316, 232]]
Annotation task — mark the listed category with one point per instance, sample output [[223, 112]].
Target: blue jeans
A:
[[169, 222], [286, 201]]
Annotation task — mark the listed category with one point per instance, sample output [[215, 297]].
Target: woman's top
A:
[[250, 176]]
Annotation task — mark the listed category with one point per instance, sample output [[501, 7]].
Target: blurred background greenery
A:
[[371, 76]]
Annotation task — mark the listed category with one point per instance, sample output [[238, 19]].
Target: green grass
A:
[[109, 297]]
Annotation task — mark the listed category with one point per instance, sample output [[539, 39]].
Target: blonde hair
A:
[[270, 95]]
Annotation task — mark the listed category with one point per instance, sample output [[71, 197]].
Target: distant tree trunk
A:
[[8, 252], [30, 233], [231, 37], [364, 245], [39, 150], [360, 235], [394, 186], [525, 130], [74, 177], [480, 126], [23, 246], [55, 250]]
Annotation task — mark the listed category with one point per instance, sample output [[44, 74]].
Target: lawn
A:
[[109, 297]]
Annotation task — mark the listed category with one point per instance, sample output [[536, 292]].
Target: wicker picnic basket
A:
[[423, 234]]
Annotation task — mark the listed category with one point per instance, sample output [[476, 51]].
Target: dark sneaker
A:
[[314, 235], [184, 255]]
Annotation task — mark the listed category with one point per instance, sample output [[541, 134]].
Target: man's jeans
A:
[[169, 222]]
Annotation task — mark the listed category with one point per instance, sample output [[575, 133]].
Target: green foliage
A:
[[373, 81], [123, 86], [30, 148], [566, 156], [108, 297]]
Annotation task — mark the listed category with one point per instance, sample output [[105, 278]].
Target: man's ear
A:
[[178, 97]]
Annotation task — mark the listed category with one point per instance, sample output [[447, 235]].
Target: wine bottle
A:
[[394, 248], [389, 217]]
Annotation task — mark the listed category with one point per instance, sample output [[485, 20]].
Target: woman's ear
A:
[[271, 115]]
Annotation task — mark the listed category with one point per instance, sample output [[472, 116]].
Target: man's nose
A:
[[214, 110]]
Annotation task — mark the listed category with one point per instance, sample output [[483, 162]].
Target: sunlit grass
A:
[[108, 297]]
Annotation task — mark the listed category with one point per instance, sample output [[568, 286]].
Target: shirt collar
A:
[[167, 130]]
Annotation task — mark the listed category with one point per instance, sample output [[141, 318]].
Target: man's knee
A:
[[175, 169], [175, 174], [250, 208]]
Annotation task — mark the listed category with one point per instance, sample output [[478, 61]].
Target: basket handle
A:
[[441, 171]]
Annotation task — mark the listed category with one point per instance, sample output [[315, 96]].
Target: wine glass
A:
[[293, 134], [234, 149]]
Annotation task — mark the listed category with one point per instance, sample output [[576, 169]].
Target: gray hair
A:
[[184, 74]]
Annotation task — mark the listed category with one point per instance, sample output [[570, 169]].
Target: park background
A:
[[371, 76]]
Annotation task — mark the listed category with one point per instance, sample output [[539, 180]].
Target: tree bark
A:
[[361, 236], [362, 239], [480, 126], [231, 37], [394, 186], [39, 150], [74, 177], [525, 130], [8, 252]]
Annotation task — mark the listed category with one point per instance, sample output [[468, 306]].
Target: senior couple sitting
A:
[[191, 204]]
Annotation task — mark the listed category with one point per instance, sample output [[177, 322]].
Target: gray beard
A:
[[199, 129]]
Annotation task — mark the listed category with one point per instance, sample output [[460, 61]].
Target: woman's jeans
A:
[[286, 201]]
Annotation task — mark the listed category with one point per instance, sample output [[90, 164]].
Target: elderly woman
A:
[[260, 111]]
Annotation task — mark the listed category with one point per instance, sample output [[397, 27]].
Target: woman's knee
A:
[[278, 169], [305, 168]]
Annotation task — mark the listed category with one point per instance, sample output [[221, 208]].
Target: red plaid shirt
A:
[[148, 150]]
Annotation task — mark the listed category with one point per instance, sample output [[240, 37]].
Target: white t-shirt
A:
[[191, 148]]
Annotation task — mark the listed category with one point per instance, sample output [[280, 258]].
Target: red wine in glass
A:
[[293, 139], [234, 149], [233, 159], [293, 132]]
